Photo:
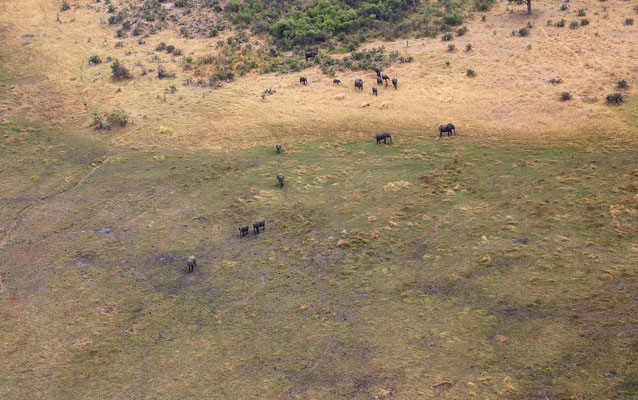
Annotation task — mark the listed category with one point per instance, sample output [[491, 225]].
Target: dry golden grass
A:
[[509, 98]]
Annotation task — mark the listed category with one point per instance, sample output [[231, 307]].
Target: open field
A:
[[500, 263], [493, 271]]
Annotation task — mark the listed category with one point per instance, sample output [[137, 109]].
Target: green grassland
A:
[[446, 269]]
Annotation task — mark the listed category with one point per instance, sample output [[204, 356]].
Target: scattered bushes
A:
[[119, 71], [614, 99], [565, 96]]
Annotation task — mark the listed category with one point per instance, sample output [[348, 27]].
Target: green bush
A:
[[65, 6], [483, 5], [561, 23], [120, 116], [468, 47], [119, 71], [614, 99], [461, 31], [447, 37], [565, 96], [470, 73], [622, 84], [523, 32], [581, 12], [629, 21], [563, 7], [555, 81], [93, 60], [584, 22], [451, 47], [573, 24]]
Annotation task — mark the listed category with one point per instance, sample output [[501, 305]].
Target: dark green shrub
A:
[[93, 60], [111, 9], [65, 6], [461, 31], [563, 7], [555, 81], [483, 18], [614, 99], [470, 73], [161, 46], [170, 48], [120, 33], [573, 24], [581, 12], [565, 96], [523, 32], [468, 47], [447, 37], [119, 71], [453, 19], [622, 84], [126, 25], [561, 23], [137, 31], [629, 21], [451, 47], [584, 22], [483, 5]]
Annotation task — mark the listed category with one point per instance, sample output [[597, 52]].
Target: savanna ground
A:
[[500, 263]]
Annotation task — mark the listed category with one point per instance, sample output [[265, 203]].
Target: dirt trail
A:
[[24, 210]]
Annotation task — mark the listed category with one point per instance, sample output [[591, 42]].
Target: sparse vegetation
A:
[[555, 81], [622, 84], [447, 37], [523, 32], [471, 73], [564, 7], [629, 21], [584, 22], [565, 96], [581, 12], [451, 47], [573, 25], [468, 47], [65, 6], [561, 23]]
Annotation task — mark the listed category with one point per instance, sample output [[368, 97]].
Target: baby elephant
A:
[[192, 263], [374, 90], [280, 178], [243, 231], [278, 147], [336, 81], [303, 80], [260, 223]]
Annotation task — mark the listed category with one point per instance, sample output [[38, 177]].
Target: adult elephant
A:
[[311, 54]]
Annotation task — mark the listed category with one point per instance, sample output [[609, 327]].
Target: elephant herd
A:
[[358, 83]]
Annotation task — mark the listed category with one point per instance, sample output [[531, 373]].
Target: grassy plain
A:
[[500, 263]]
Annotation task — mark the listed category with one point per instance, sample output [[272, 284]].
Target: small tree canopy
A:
[[528, 2]]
